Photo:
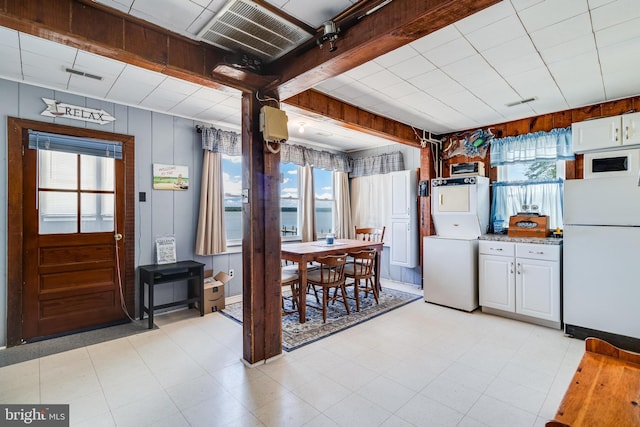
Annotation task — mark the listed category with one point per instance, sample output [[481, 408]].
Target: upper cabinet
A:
[[607, 132]]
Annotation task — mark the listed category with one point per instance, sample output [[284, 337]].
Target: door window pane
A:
[[96, 212], [97, 173], [232, 185], [323, 189], [58, 170], [58, 212]]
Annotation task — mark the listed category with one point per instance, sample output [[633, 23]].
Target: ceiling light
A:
[[301, 128], [330, 34]]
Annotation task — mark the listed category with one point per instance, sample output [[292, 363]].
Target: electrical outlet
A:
[[231, 272]]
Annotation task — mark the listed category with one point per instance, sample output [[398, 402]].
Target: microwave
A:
[[466, 169], [610, 164]]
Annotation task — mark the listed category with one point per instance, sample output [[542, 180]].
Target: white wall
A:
[[411, 157], [159, 138]]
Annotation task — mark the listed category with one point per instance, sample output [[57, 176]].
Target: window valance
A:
[[536, 146], [376, 165], [221, 141], [303, 156]]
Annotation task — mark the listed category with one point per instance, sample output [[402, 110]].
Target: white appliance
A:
[[460, 211], [460, 206], [451, 271], [611, 164], [601, 257]]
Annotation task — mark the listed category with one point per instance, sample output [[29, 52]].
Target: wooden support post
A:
[[261, 312]]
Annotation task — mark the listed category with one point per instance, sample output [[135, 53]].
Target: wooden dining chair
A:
[[329, 275], [289, 279], [370, 234], [359, 274]]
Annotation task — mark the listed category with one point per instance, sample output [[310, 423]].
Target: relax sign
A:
[[67, 111]]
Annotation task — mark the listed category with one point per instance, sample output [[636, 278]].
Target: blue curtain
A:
[[508, 198], [553, 145]]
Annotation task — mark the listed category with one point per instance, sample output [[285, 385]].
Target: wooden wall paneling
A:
[[186, 55], [51, 14]]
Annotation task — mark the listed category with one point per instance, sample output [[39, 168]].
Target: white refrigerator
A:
[[601, 257]]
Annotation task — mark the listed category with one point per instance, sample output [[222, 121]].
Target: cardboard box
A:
[[214, 292]]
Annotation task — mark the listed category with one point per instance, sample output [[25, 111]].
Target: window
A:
[[232, 185], [325, 201], [289, 200], [531, 186]]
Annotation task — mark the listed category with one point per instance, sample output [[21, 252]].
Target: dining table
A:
[[304, 253]]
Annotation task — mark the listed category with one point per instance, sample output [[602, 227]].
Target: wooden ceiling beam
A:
[[355, 118], [394, 25]]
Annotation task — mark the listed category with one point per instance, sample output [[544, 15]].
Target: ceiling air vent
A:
[[243, 26]]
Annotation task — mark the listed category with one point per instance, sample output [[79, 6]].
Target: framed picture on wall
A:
[[170, 177], [165, 250]]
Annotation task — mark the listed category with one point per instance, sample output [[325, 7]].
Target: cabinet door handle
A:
[[626, 132], [519, 272], [537, 253], [614, 132], [496, 249], [511, 267], [441, 199]]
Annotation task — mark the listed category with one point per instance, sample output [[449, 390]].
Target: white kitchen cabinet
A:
[[607, 132], [404, 221], [521, 280]]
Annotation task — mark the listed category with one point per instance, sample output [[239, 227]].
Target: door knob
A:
[[117, 237]]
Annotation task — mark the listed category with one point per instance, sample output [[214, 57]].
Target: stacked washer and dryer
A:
[[460, 211]]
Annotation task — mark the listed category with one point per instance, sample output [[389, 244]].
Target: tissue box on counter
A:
[[528, 226], [214, 292]]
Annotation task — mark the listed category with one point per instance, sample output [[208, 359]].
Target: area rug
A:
[[296, 334]]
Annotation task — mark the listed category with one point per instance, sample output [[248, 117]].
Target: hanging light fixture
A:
[[301, 128], [330, 34]]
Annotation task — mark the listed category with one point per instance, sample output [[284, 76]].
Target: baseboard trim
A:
[[620, 341]]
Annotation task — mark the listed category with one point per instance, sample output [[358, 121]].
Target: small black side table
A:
[[154, 274]]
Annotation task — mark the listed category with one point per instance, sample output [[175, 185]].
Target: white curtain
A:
[[342, 213], [508, 199], [308, 205], [211, 235], [371, 201]]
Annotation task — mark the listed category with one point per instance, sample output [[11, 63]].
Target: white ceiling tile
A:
[[178, 86], [599, 3], [563, 32], [616, 57], [618, 33], [497, 33], [549, 104], [432, 79], [121, 5], [620, 83], [50, 77], [412, 67], [549, 12], [381, 79], [98, 65], [10, 66], [86, 85], [314, 13], [524, 4], [496, 93], [354, 90], [396, 56], [176, 15], [365, 70], [200, 21], [567, 50], [450, 52], [513, 57], [580, 88], [471, 70], [485, 17], [615, 13], [38, 47], [9, 38], [537, 83], [436, 39], [398, 90]]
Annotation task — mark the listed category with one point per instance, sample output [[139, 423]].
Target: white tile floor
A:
[[420, 365]]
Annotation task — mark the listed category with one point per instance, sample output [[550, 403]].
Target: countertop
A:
[[537, 240]]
